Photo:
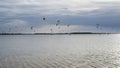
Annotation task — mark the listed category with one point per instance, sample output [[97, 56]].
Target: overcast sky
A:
[[82, 15]]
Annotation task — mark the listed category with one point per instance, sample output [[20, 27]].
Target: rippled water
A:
[[60, 51]]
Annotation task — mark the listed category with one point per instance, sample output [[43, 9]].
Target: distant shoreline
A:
[[52, 33]]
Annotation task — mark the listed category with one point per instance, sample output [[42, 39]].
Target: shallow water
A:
[[60, 51]]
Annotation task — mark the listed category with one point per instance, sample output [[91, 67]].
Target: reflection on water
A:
[[60, 51]]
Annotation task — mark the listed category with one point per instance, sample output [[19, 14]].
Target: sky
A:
[[82, 16]]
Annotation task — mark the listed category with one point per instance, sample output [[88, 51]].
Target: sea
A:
[[60, 51]]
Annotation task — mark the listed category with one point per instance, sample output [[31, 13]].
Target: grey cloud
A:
[[106, 14], [55, 9]]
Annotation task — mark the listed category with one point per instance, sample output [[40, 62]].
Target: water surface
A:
[[60, 51]]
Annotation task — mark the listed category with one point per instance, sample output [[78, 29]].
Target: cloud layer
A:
[[54, 7], [74, 12]]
